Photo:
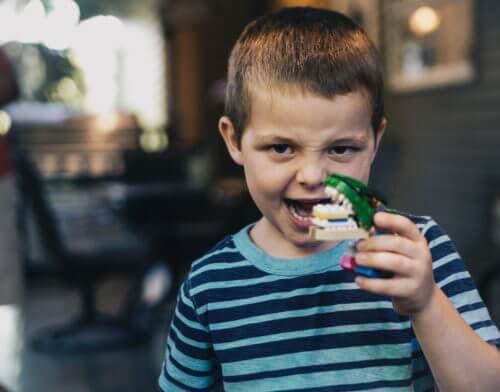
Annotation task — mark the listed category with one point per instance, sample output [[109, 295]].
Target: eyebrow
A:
[[275, 139], [355, 139]]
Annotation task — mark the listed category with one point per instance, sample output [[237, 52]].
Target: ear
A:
[[378, 136], [228, 133]]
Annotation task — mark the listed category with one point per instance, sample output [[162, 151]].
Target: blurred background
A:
[[113, 177]]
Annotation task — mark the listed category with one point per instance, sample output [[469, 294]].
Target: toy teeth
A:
[[349, 216], [350, 213]]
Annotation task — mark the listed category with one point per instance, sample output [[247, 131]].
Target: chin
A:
[[305, 242]]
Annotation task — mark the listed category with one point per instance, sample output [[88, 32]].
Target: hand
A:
[[405, 253]]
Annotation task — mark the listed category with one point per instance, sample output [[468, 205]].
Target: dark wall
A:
[[441, 156]]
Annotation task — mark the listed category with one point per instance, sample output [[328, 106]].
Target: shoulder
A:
[[222, 263], [224, 251], [429, 228], [214, 276], [440, 244]]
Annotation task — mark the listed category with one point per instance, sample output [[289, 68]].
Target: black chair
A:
[[83, 265]]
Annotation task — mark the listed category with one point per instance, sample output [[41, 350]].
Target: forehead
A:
[[290, 110]]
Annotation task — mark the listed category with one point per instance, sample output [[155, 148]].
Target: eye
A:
[[281, 149], [342, 150]]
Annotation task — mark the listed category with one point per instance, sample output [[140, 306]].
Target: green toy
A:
[[349, 216]]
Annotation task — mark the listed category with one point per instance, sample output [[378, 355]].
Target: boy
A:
[[269, 308]]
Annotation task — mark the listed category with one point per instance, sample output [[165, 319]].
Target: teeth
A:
[[297, 215]]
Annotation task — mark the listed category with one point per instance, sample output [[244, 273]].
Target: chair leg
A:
[[88, 303], [90, 332]]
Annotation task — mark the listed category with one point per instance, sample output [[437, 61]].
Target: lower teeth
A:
[[295, 213]]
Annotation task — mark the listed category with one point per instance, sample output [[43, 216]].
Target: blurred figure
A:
[[9, 263], [10, 268]]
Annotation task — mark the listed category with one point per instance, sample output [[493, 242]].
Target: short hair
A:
[[315, 50]]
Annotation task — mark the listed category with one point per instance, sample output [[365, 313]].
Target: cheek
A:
[[264, 183], [361, 170]]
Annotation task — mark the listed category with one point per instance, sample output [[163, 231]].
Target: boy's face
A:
[[292, 142]]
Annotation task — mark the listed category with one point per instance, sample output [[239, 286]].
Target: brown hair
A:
[[316, 50]]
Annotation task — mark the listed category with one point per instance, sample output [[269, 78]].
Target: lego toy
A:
[[349, 216]]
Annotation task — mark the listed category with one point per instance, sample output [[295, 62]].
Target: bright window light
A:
[[10, 343], [61, 22], [96, 49]]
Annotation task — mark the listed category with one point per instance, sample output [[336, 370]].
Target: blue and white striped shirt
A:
[[248, 321]]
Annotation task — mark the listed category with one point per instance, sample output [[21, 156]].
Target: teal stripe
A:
[[318, 358], [313, 332], [188, 379], [425, 227], [282, 295], [186, 321], [217, 252], [201, 365], [488, 333], [452, 278], [474, 316], [237, 283], [220, 266], [299, 313], [438, 241], [166, 385], [445, 260], [465, 298], [189, 341], [323, 379]]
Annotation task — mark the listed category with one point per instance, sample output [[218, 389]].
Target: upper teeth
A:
[[339, 199]]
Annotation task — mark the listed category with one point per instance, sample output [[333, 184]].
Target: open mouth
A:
[[335, 218], [302, 210]]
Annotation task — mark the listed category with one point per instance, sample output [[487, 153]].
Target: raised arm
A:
[[460, 359]]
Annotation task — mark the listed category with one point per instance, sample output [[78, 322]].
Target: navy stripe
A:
[[192, 372], [470, 307], [189, 350], [226, 257], [495, 342], [458, 286], [434, 232], [297, 303], [482, 324], [312, 343], [281, 285], [229, 274], [184, 386], [299, 323], [415, 218], [449, 268], [356, 387], [320, 368], [191, 333]]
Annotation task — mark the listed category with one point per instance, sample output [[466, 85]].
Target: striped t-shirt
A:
[[246, 321]]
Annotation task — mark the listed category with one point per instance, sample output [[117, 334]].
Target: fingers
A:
[[386, 261], [397, 224], [395, 287], [387, 243]]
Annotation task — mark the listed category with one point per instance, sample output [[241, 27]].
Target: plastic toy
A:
[[349, 216]]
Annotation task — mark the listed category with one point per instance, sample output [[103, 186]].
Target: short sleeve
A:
[[189, 359], [451, 275]]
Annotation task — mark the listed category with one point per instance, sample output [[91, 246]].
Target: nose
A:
[[312, 173]]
